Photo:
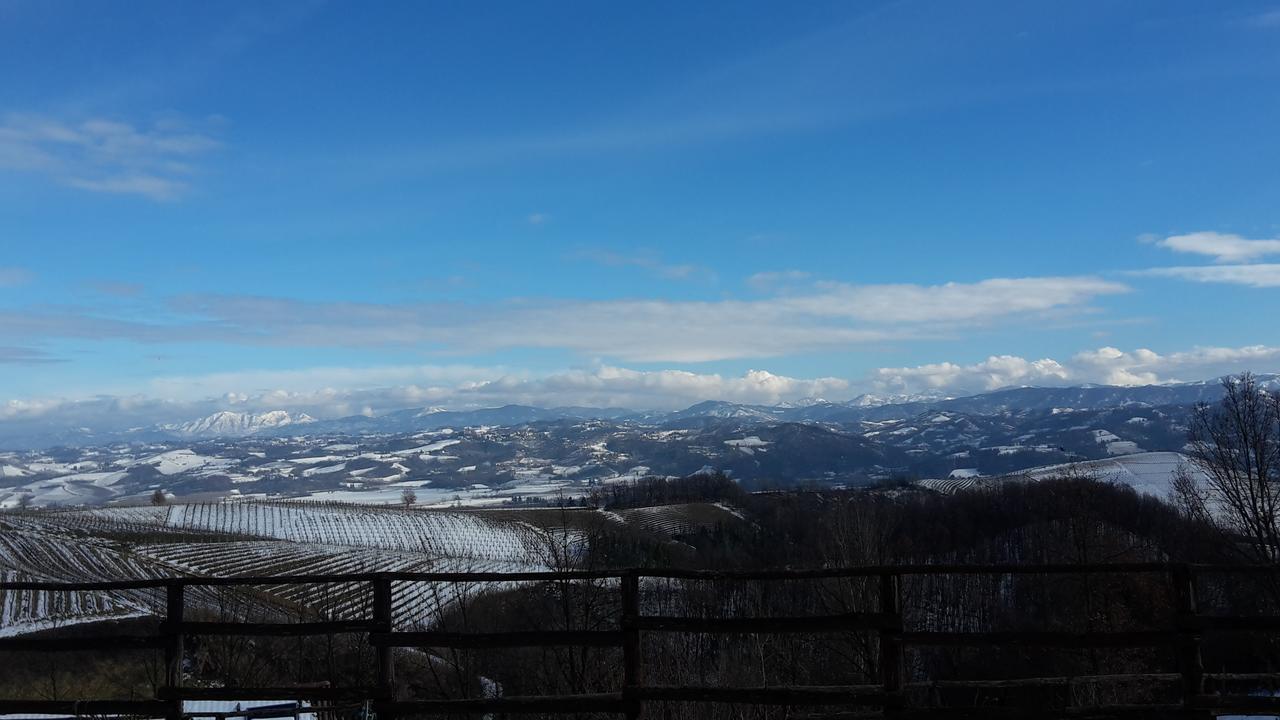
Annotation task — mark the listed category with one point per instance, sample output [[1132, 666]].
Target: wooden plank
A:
[[771, 625], [94, 586], [1041, 639], [780, 695], [98, 643], [536, 638], [173, 646], [1202, 568], [1190, 662], [1243, 677], [1237, 703], [267, 693], [269, 580], [1207, 623], [566, 704], [274, 629], [384, 622], [80, 708], [289, 710], [546, 576], [876, 570], [891, 642], [1155, 712], [631, 649], [539, 576], [1058, 681]]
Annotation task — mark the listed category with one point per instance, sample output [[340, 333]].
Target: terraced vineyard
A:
[[418, 604], [243, 539], [437, 534], [684, 519], [29, 554]]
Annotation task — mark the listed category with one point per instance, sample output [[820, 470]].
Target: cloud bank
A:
[[1263, 275], [1104, 366], [1222, 247], [1233, 256], [824, 316], [341, 392]]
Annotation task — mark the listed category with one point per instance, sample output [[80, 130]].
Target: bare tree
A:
[[158, 497], [408, 497], [1236, 444]]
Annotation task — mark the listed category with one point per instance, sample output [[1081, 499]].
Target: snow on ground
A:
[[184, 460], [316, 460], [324, 470], [429, 448], [441, 534], [1149, 473], [86, 488], [24, 627], [1123, 447], [747, 442], [1104, 436]]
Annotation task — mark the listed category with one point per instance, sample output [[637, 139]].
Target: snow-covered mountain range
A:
[[849, 413], [233, 424], [493, 455]]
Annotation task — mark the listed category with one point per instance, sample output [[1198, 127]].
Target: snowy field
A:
[[1147, 473]]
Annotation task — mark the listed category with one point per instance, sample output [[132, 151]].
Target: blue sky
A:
[[349, 207]]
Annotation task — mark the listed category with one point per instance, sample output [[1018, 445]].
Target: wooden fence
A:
[[887, 698]]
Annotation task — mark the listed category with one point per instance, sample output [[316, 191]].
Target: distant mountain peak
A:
[[873, 400], [233, 424]]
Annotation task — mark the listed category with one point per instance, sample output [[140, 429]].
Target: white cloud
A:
[[1106, 365], [826, 316], [329, 392], [995, 372], [101, 155], [1262, 275], [245, 384], [664, 389], [647, 261], [1139, 367], [950, 302], [156, 188], [338, 392], [1222, 247]]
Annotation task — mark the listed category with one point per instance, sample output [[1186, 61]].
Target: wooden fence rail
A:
[[887, 697]]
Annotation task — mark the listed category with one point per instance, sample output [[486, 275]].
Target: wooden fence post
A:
[[891, 644], [1190, 662], [384, 620], [631, 642], [173, 651]]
